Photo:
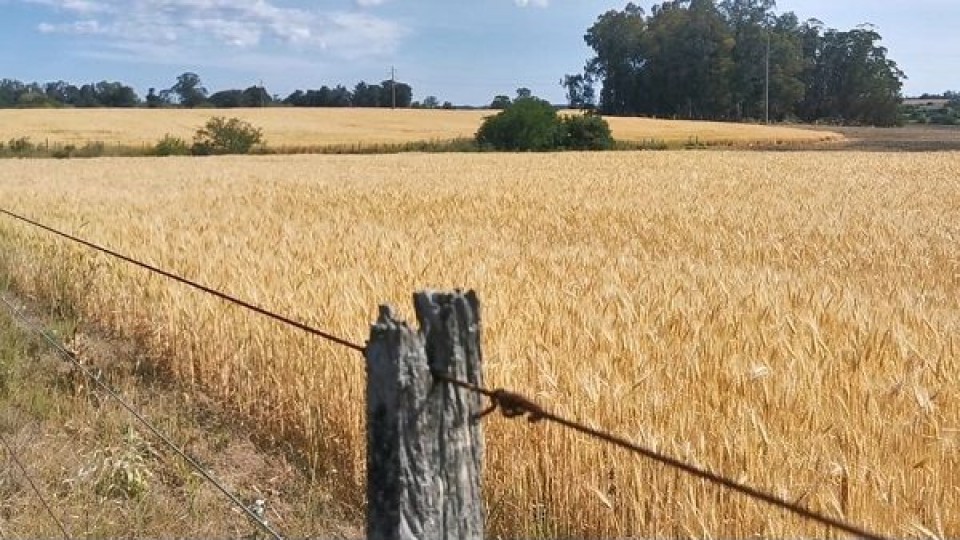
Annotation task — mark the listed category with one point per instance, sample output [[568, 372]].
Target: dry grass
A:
[[789, 320], [105, 476], [311, 127]]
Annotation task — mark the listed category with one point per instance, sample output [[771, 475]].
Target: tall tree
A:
[[115, 94], [403, 94], [749, 22], [226, 99], [500, 102], [617, 38], [10, 91], [255, 96], [849, 77], [580, 91], [366, 95], [690, 62], [709, 59], [189, 90]]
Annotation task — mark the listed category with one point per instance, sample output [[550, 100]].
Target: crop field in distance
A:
[[789, 320], [298, 127]]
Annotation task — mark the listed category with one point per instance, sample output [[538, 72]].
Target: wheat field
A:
[[788, 320], [324, 127]]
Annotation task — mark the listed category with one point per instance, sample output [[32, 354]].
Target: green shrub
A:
[[586, 132], [171, 146], [226, 136], [528, 124], [65, 152], [21, 145]]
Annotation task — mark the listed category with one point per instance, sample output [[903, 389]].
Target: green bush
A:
[[171, 146], [532, 124], [226, 136], [65, 152], [528, 124], [21, 145], [586, 132]]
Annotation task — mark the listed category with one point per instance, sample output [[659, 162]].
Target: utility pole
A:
[[393, 87], [766, 85]]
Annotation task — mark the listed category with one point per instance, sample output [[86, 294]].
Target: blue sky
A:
[[465, 51]]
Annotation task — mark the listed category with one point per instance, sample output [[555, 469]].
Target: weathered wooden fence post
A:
[[424, 441]]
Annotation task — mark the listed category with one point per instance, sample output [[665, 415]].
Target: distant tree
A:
[[32, 99], [154, 100], [689, 67], [87, 96], [255, 96], [619, 40], [10, 90], [340, 97], [365, 95], [226, 99], [62, 92], [189, 90], [295, 99], [849, 77], [580, 91], [500, 102], [115, 94], [321, 98], [524, 93], [404, 94], [708, 59], [448, 105], [529, 124], [431, 102]]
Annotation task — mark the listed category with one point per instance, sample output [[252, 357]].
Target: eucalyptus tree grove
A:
[[736, 59]]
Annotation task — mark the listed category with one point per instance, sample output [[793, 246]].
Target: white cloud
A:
[[200, 27], [369, 3], [537, 3], [75, 6]]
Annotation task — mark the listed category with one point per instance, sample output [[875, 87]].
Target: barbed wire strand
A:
[[511, 404], [69, 356], [221, 295], [33, 486]]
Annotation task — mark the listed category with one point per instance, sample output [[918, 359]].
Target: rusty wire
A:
[[510, 403], [514, 405], [190, 283]]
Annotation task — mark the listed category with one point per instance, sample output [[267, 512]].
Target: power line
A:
[[33, 486], [510, 403], [70, 357], [190, 283]]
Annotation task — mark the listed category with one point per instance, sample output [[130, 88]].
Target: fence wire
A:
[[70, 357], [511, 404], [33, 486]]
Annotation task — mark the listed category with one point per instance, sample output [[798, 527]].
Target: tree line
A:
[[940, 109], [706, 59], [189, 92]]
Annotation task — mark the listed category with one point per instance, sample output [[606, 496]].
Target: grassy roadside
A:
[[106, 476]]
